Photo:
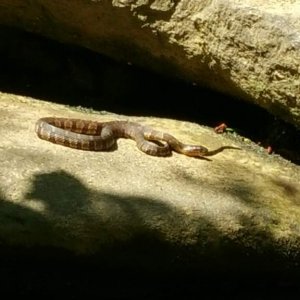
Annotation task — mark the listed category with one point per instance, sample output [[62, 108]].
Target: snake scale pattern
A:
[[101, 136]]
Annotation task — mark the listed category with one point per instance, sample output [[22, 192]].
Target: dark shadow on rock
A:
[[119, 224], [131, 246], [138, 231], [289, 188], [60, 192], [255, 238], [228, 181], [22, 226]]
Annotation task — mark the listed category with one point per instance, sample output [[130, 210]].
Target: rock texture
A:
[[125, 207], [249, 49]]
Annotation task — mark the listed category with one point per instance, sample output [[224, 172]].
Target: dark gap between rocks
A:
[[38, 67]]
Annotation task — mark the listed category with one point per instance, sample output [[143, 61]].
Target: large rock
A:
[[249, 49], [237, 211]]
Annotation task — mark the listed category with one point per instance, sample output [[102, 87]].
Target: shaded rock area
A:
[[176, 220], [247, 49]]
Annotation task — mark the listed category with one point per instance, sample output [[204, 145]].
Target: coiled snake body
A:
[[97, 136]]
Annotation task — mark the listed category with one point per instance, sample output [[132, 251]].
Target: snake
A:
[[102, 136]]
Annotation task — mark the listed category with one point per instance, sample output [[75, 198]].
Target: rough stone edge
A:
[[171, 32]]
